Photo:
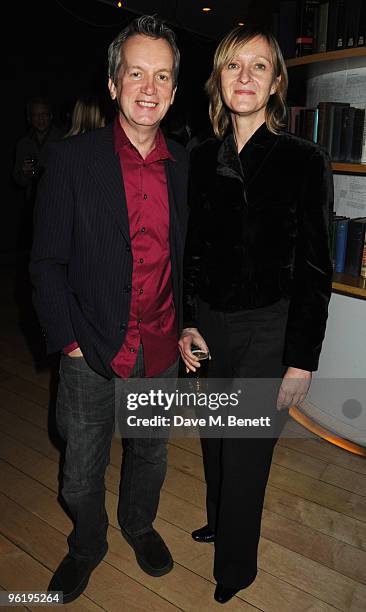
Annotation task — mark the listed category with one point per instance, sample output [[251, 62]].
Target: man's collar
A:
[[120, 139]]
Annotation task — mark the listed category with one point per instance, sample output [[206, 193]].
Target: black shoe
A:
[[151, 552], [72, 577], [205, 534], [223, 594]]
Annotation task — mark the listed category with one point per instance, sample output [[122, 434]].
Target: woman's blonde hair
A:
[[276, 107], [86, 116]]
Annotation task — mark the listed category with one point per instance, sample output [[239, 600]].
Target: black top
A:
[[259, 231]]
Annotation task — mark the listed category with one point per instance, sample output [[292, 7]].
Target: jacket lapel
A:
[[245, 165], [106, 171], [256, 152], [228, 162]]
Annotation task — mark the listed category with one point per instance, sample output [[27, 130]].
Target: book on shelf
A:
[[341, 230], [328, 115], [355, 246], [353, 22], [336, 126], [341, 30], [292, 118], [337, 24], [361, 38], [287, 28], [332, 237], [351, 134], [363, 152], [335, 131], [306, 124], [324, 122], [358, 132], [363, 262], [306, 26], [322, 28]]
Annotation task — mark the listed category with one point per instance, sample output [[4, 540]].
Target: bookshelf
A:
[[322, 63], [349, 285], [329, 56], [342, 283], [343, 354], [346, 168]]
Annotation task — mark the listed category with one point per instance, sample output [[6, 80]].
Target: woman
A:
[[86, 116], [257, 277]]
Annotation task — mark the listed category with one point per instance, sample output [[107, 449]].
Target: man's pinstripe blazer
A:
[[81, 263]]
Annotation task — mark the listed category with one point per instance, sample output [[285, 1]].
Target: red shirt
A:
[[153, 320]]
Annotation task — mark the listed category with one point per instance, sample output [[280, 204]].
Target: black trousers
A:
[[243, 344]]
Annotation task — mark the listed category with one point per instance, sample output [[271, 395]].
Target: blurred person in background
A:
[[31, 149], [87, 115], [30, 159]]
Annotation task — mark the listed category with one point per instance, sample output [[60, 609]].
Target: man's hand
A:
[[75, 353], [189, 336], [294, 388], [28, 167]]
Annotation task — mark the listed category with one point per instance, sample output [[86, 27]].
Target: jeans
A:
[[85, 413]]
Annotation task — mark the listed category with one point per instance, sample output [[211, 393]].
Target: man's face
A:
[[144, 89], [40, 118]]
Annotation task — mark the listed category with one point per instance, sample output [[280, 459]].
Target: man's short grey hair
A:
[[147, 25]]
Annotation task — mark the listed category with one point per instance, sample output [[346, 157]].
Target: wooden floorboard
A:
[[312, 554], [336, 555]]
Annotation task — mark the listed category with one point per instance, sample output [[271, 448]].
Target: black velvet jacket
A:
[[259, 231]]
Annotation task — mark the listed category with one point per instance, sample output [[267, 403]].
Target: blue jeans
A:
[[85, 413]]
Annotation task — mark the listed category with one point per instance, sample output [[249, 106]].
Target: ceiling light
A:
[[241, 23], [206, 9]]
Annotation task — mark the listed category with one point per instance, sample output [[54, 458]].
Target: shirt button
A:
[[128, 249], [141, 260], [143, 230], [132, 350], [145, 196], [139, 320], [141, 291]]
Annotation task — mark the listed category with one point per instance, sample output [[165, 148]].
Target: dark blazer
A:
[[81, 263], [259, 232]]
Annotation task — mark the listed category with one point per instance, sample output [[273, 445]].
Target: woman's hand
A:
[[294, 388], [189, 336]]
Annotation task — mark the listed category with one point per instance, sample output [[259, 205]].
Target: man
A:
[[107, 270], [31, 150], [30, 158]]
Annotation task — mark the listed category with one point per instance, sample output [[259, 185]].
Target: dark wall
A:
[[45, 51], [59, 49]]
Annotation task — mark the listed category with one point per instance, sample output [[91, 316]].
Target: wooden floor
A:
[[313, 546]]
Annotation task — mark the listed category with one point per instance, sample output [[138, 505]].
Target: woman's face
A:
[[247, 79]]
